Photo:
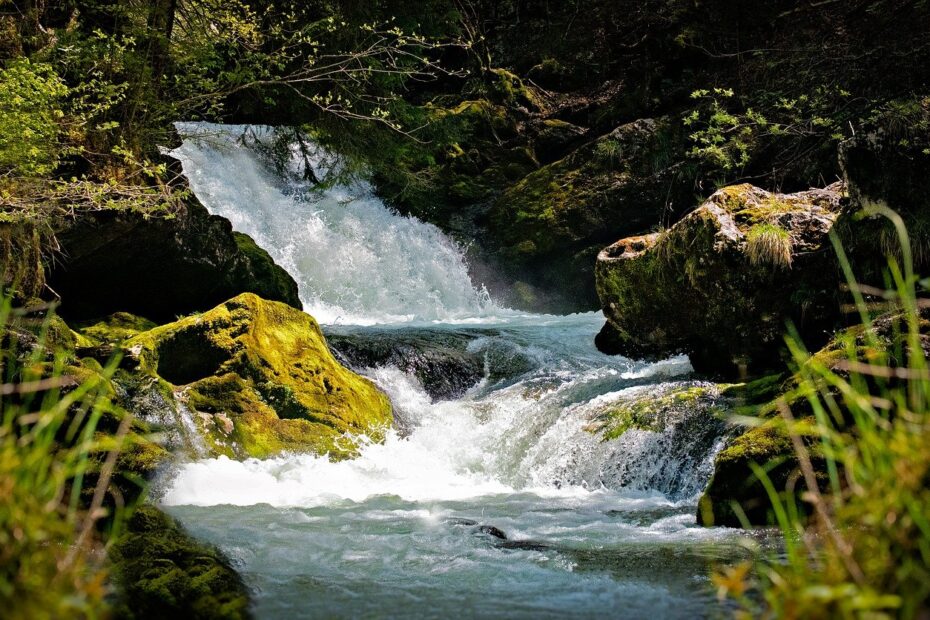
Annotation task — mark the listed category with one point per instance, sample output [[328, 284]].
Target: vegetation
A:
[[857, 540], [768, 244], [50, 563]]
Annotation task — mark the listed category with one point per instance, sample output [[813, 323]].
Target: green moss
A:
[[116, 328], [161, 572], [262, 378], [651, 411]]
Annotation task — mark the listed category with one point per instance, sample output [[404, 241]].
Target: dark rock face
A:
[[441, 360], [159, 267], [722, 283]]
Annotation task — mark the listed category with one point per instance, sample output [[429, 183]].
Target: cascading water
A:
[[413, 526], [354, 260]]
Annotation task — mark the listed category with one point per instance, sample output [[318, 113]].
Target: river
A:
[[492, 497]]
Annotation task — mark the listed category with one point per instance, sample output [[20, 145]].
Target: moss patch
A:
[[261, 380], [161, 572]]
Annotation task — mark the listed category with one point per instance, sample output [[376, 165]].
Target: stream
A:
[[492, 497]]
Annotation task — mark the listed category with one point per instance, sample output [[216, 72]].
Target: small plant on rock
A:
[[768, 244]]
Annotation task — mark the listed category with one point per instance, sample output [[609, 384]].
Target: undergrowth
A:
[[55, 470], [864, 551]]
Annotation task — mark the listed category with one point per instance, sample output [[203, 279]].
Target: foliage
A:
[[50, 560], [728, 132], [866, 551], [30, 115]]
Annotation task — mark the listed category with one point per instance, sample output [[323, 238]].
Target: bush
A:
[[30, 111]]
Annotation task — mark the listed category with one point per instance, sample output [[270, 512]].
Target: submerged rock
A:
[[722, 283], [663, 436], [159, 267], [258, 378]]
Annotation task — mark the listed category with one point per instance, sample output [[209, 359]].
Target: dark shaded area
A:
[[160, 268]]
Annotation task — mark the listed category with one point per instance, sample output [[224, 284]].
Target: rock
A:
[[265, 367], [159, 267], [685, 421], [439, 359], [490, 530], [162, 572], [735, 493], [721, 284], [549, 227]]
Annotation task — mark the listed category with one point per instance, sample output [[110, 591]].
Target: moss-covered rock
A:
[[161, 572], [735, 495], [549, 226], [655, 408], [719, 287], [260, 379]]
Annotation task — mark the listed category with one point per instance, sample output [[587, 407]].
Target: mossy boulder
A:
[[722, 284], [735, 495], [671, 430], [159, 267], [161, 572], [259, 379], [548, 227], [655, 408]]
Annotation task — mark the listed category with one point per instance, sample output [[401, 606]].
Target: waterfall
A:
[[354, 259]]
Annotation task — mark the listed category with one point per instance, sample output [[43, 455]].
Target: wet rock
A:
[[439, 359], [490, 530], [264, 367], [722, 283], [161, 572], [661, 437]]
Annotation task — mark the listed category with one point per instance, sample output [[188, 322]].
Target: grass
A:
[[865, 550], [54, 474], [769, 245]]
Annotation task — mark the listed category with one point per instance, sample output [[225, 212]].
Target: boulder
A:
[[256, 378], [161, 571], [159, 267], [722, 284], [441, 360], [547, 228]]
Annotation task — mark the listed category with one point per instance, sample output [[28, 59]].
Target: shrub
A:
[[30, 112]]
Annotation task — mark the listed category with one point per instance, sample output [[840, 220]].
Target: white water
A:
[[355, 261], [381, 534]]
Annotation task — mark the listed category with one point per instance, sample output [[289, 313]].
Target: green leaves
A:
[[30, 113]]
